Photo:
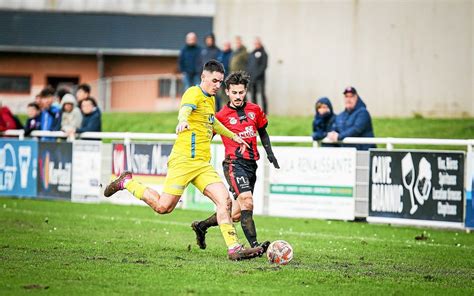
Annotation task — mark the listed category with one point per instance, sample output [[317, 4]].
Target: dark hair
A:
[[90, 99], [47, 92], [61, 92], [214, 66], [239, 77], [34, 105], [85, 87]]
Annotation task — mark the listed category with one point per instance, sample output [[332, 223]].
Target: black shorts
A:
[[241, 175]]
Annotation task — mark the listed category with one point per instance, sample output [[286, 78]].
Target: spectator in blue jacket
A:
[[354, 121], [91, 120], [190, 64], [50, 118], [324, 119], [225, 55]]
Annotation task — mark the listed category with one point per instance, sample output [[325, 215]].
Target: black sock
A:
[[209, 222], [248, 226]]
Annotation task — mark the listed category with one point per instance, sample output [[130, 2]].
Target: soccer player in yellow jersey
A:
[[189, 161]]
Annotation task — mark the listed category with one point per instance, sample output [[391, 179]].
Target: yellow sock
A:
[[136, 188], [229, 234]]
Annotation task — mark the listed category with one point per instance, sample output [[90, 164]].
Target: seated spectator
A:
[[323, 119], [354, 121], [8, 120], [33, 122], [91, 117], [71, 118]]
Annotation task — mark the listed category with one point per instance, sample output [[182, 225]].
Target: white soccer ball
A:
[[279, 252]]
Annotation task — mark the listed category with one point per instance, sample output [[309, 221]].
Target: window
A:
[[170, 88], [15, 84]]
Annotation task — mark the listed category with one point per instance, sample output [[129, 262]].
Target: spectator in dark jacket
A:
[[324, 119], [354, 121], [257, 64], [224, 56], [190, 64], [211, 51], [34, 117], [91, 120]]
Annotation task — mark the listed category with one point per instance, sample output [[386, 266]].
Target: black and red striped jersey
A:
[[245, 122]]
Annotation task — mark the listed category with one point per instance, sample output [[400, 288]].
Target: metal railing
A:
[[128, 136]]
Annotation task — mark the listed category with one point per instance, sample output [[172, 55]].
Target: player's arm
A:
[[265, 138], [183, 115], [220, 129]]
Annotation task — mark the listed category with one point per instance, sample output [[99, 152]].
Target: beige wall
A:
[[403, 56]]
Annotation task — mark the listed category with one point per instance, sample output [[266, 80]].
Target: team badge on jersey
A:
[[251, 115], [232, 120]]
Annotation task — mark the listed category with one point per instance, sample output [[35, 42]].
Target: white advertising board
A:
[[86, 171], [313, 183]]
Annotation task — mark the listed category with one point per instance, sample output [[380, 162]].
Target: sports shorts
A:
[[184, 170], [241, 175]]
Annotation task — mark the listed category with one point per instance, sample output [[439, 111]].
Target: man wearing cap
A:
[[354, 121]]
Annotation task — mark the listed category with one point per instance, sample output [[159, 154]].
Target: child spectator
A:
[[71, 118], [323, 119], [33, 122]]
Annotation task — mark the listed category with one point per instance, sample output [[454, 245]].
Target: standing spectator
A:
[[257, 64], [91, 120], [33, 122], [224, 56], [50, 115], [190, 64], [83, 91], [354, 121], [71, 118], [61, 93], [7, 119], [211, 51], [238, 61], [324, 119]]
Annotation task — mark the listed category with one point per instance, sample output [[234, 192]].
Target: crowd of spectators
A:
[[192, 57], [62, 111]]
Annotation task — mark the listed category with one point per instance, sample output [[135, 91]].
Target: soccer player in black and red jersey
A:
[[246, 120]]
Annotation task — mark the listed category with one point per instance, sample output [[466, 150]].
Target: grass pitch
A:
[[65, 248]]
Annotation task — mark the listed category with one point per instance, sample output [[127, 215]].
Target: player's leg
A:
[[200, 227], [245, 200], [218, 194], [162, 204]]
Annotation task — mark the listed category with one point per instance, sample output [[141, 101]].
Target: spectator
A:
[[324, 119], [50, 115], [225, 55], [83, 91], [190, 64], [61, 93], [354, 121], [33, 122], [211, 51], [238, 61], [71, 118], [91, 117], [257, 64], [7, 119]]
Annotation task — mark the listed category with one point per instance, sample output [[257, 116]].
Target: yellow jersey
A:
[[195, 143]]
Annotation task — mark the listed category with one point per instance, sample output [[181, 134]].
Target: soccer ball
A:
[[279, 252]]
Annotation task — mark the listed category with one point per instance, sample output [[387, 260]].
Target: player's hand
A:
[[182, 126], [243, 144], [272, 159]]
